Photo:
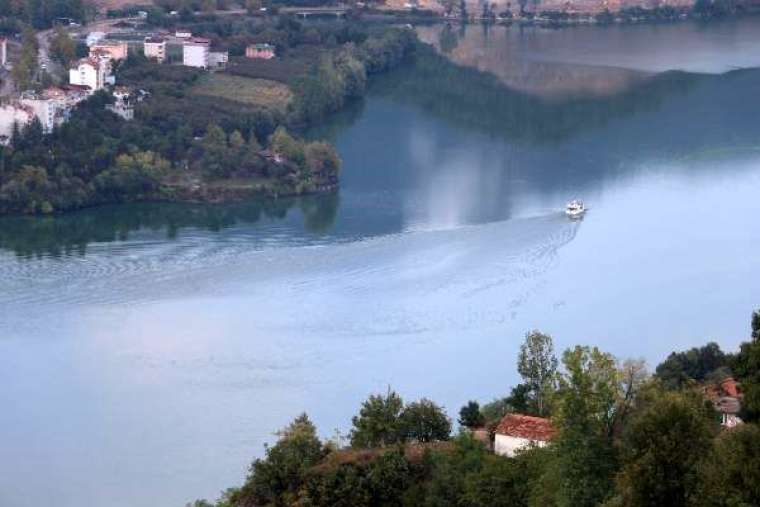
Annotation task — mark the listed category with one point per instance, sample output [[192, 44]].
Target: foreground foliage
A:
[[624, 438]]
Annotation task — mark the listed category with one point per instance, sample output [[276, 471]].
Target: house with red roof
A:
[[517, 431], [726, 397]]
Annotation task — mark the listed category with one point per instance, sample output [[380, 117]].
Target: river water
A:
[[147, 352]]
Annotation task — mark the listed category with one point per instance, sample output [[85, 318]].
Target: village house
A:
[[517, 431], [195, 52], [93, 72], [218, 59], [115, 50], [3, 51], [183, 33], [155, 48], [726, 399], [122, 105], [263, 51]]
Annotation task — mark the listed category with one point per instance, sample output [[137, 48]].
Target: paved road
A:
[[43, 57], [44, 37]]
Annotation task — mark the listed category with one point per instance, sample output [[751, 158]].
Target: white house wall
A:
[[507, 446]]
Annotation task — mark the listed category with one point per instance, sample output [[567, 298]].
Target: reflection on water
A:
[[70, 234], [168, 341], [596, 60]]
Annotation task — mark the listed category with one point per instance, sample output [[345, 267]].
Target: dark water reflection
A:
[[30, 237]]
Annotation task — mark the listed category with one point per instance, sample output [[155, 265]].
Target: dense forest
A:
[[623, 438], [183, 147], [41, 13]]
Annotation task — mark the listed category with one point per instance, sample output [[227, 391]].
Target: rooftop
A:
[[730, 387], [526, 426]]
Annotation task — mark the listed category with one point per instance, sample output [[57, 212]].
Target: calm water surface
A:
[[147, 352]]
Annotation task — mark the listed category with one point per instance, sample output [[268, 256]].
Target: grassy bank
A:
[[255, 92]]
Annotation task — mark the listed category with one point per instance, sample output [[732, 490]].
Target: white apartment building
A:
[[51, 107], [195, 53], [94, 73], [45, 109], [12, 114], [155, 48]]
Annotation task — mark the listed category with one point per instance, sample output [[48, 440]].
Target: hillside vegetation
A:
[[622, 437]]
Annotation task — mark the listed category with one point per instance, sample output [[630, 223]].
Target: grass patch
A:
[[283, 68], [255, 92]]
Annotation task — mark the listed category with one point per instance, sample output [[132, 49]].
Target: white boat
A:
[[575, 208]]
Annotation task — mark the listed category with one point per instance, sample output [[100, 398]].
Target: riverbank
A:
[[203, 137]]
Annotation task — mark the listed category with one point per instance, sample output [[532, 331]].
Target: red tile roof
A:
[[730, 387], [526, 426]]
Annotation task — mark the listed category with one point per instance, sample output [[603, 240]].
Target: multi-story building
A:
[[155, 48], [12, 114], [43, 108], [93, 72], [195, 52], [3, 51], [51, 107], [115, 50]]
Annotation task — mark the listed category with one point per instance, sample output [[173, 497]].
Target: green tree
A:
[[236, 140], [378, 423], [747, 368], [730, 475], [25, 68], [756, 325], [62, 46], [662, 449], [586, 404], [517, 401], [215, 160], [470, 415], [132, 175], [692, 365], [322, 162], [537, 365], [277, 477], [424, 421], [285, 145]]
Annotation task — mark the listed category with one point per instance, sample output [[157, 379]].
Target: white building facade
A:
[[94, 73], [155, 48], [195, 53], [51, 107], [12, 114]]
